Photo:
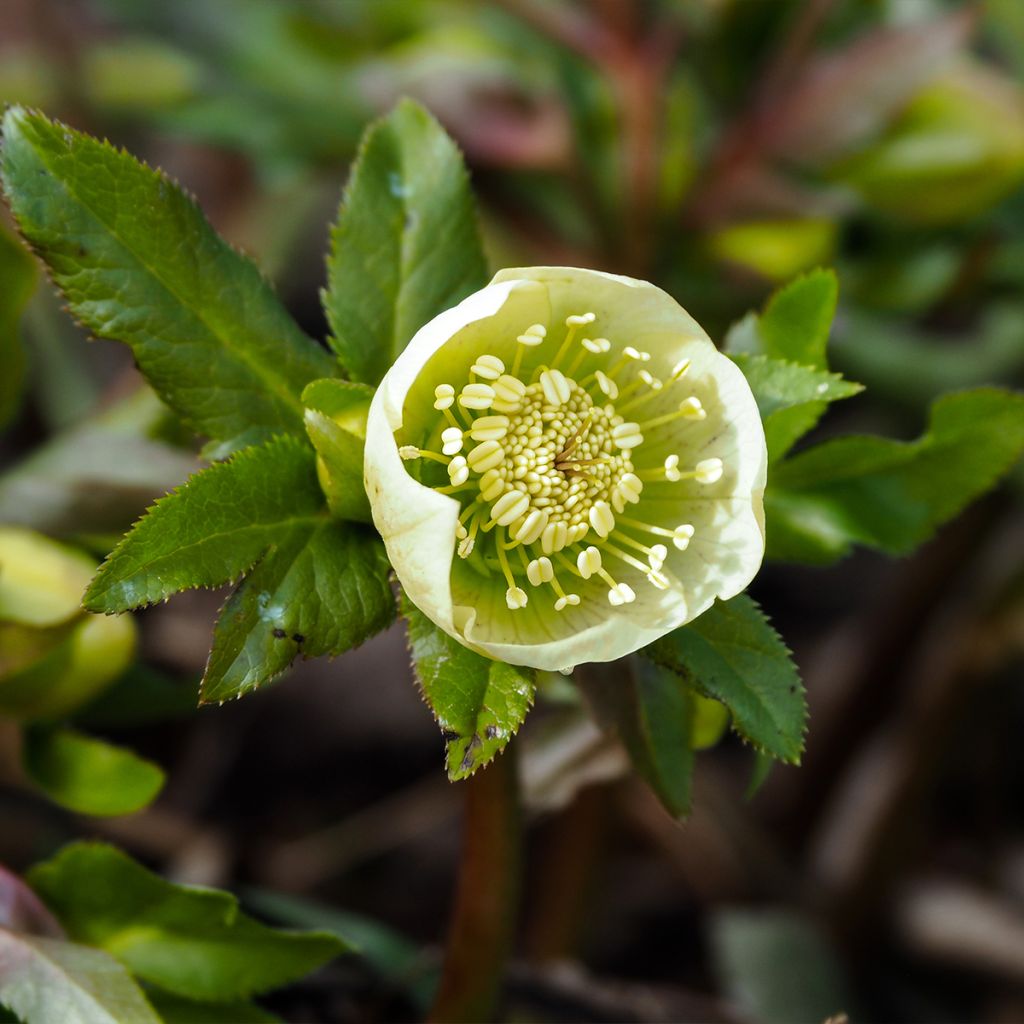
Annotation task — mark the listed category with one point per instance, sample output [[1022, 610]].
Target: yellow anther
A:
[[508, 393], [580, 319], [679, 370], [607, 385], [555, 386], [620, 594], [533, 335], [659, 579], [554, 537], [633, 353], [650, 380], [408, 452], [601, 518], [451, 441], [540, 571], [627, 490], [444, 396], [588, 562], [458, 470], [492, 483], [477, 396], [485, 456], [515, 597], [531, 527], [489, 367], [692, 409], [509, 507], [627, 436], [595, 346], [682, 535], [488, 428], [708, 471]]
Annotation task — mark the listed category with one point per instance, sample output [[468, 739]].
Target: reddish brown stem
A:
[[487, 901]]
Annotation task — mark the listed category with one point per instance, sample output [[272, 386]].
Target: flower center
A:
[[542, 461]]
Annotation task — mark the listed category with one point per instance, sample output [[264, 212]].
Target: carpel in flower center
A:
[[543, 465]]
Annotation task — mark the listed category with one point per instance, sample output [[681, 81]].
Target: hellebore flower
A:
[[564, 468]]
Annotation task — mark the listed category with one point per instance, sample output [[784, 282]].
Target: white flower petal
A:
[[419, 525]]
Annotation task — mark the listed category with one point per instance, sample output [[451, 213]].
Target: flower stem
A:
[[487, 901]]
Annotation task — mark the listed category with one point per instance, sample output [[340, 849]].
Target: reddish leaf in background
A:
[[22, 911]]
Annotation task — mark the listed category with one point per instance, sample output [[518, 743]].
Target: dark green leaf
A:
[[890, 494], [141, 696], [390, 954], [777, 968], [17, 282], [190, 941], [791, 398], [320, 589], [214, 528], [732, 653], [406, 245], [139, 263], [175, 1010], [89, 776], [478, 703], [650, 709], [46, 981]]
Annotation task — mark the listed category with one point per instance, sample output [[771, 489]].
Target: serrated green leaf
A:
[[406, 244], [189, 941], [214, 528], [87, 775], [796, 322], [46, 980], [650, 709], [175, 1010], [17, 282], [791, 398], [478, 703], [320, 589], [139, 263], [892, 495], [732, 653]]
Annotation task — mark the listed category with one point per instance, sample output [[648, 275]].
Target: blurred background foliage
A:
[[716, 147]]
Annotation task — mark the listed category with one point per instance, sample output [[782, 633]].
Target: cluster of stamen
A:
[[543, 464]]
